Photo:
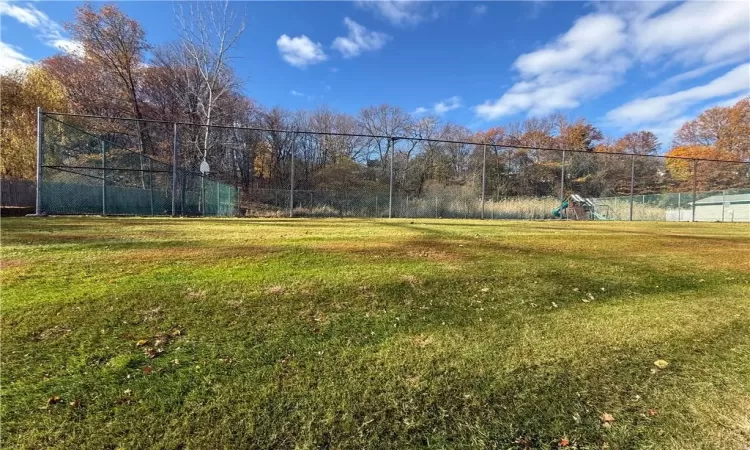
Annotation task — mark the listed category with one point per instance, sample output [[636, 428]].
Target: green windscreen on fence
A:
[[91, 171]]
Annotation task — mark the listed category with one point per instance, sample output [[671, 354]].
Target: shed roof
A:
[[729, 198]]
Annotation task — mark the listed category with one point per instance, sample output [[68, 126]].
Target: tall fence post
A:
[[291, 186], [390, 189], [484, 175], [151, 184], [695, 180], [562, 183], [632, 186], [723, 204], [174, 170], [104, 178], [39, 157]]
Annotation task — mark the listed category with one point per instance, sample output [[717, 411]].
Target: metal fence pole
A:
[[632, 185], [39, 157], [562, 183], [723, 199], [174, 170], [104, 178], [484, 175], [695, 180], [291, 186], [390, 189], [151, 184]]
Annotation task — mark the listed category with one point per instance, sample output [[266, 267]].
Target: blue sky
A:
[[624, 66]]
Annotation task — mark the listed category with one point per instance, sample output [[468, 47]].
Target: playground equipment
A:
[[576, 207]]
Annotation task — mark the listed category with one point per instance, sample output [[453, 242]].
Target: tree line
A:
[[118, 73]]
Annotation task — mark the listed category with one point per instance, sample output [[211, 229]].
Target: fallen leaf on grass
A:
[[141, 343], [75, 404], [55, 399], [660, 363], [147, 370], [485, 290], [607, 419], [152, 352], [564, 442], [652, 412]]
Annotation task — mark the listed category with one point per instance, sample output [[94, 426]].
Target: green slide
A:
[[556, 211]]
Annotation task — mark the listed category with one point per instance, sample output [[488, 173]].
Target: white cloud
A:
[[694, 32], [441, 107], [479, 10], [399, 13], [68, 46], [580, 64], [359, 40], [27, 15], [695, 73], [592, 40], [11, 58], [49, 31], [296, 93], [663, 107], [300, 51], [593, 56]]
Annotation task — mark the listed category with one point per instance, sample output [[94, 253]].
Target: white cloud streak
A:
[[399, 13], [593, 56], [300, 51], [12, 59], [49, 31], [479, 10], [580, 64], [664, 107], [441, 107], [359, 40]]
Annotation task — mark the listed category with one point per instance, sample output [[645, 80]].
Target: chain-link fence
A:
[[104, 167], [100, 165]]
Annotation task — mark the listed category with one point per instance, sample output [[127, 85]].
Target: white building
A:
[[716, 208]]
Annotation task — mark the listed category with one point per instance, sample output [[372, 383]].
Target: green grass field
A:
[[206, 334]]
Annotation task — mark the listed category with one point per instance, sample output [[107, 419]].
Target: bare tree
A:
[[383, 120], [207, 34]]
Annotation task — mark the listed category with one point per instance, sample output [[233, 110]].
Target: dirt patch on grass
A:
[[422, 340], [421, 249], [199, 254], [6, 264], [53, 333]]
